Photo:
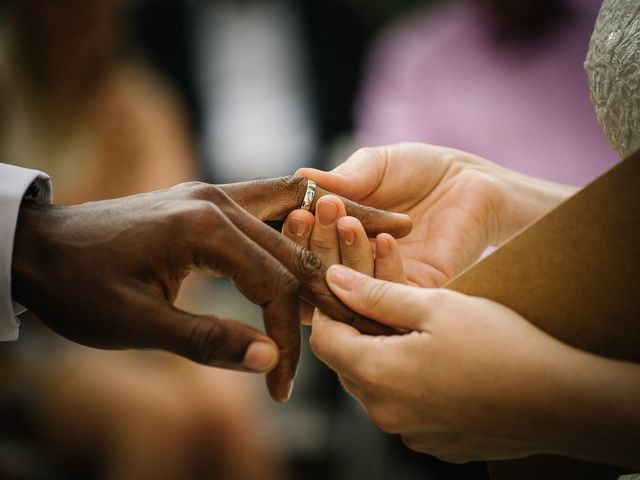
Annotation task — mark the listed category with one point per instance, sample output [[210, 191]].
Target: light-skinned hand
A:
[[473, 380], [459, 202]]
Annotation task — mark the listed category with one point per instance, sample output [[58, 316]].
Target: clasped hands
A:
[[105, 274], [456, 376]]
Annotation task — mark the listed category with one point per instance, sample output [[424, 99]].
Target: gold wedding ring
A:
[[309, 195]]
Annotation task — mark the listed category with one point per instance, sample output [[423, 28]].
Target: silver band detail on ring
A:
[[309, 195]]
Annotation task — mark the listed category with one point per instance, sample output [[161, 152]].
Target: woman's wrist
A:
[[525, 199], [586, 407]]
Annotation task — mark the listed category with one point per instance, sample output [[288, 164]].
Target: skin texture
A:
[[473, 380], [467, 378], [105, 274], [459, 203]]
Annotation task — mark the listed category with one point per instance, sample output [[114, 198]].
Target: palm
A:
[[449, 233], [450, 204]]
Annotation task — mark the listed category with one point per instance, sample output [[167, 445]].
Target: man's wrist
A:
[[25, 271]]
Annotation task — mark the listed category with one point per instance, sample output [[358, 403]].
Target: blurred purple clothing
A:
[[441, 77]]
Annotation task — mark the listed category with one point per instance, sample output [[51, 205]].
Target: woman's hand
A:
[[473, 380], [463, 385], [459, 203]]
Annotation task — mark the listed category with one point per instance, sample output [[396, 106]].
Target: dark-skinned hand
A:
[[105, 274]]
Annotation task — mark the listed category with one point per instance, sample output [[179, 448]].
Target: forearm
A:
[[592, 410]]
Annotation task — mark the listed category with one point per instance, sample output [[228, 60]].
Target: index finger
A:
[[305, 266], [336, 344], [274, 198]]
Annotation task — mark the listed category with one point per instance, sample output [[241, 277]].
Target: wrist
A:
[[26, 271], [525, 199], [586, 407]]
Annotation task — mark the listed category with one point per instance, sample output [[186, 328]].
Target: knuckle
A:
[[436, 300], [289, 187], [353, 257], [373, 154], [288, 284], [206, 191], [309, 265], [187, 186], [365, 152], [382, 418], [376, 295], [203, 214], [322, 245], [436, 296], [289, 182], [204, 342]]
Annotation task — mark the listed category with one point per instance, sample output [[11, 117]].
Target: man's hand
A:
[[105, 274], [459, 203]]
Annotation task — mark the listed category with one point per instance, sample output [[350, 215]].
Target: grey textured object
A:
[[613, 70]]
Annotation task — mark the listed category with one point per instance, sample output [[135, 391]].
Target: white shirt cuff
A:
[[15, 184]]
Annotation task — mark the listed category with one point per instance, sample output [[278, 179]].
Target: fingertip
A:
[[327, 209], [404, 225], [383, 245], [353, 226], [302, 214], [325, 198], [298, 225], [308, 172], [388, 264], [318, 318], [282, 395], [349, 221], [279, 389], [342, 278], [346, 234], [261, 356], [288, 392]]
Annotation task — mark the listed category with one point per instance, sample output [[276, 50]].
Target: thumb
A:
[[356, 178], [393, 304], [215, 341]]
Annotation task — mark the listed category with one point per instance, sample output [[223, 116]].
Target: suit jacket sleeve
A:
[[15, 184]]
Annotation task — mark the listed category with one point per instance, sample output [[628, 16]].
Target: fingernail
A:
[[382, 247], [327, 213], [289, 390], [298, 227], [346, 235], [341, 276], [260, 357]]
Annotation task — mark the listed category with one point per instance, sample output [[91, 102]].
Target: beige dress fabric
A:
[[613, 70]]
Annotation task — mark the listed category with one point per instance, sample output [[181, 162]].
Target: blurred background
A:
[[115, 97]]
